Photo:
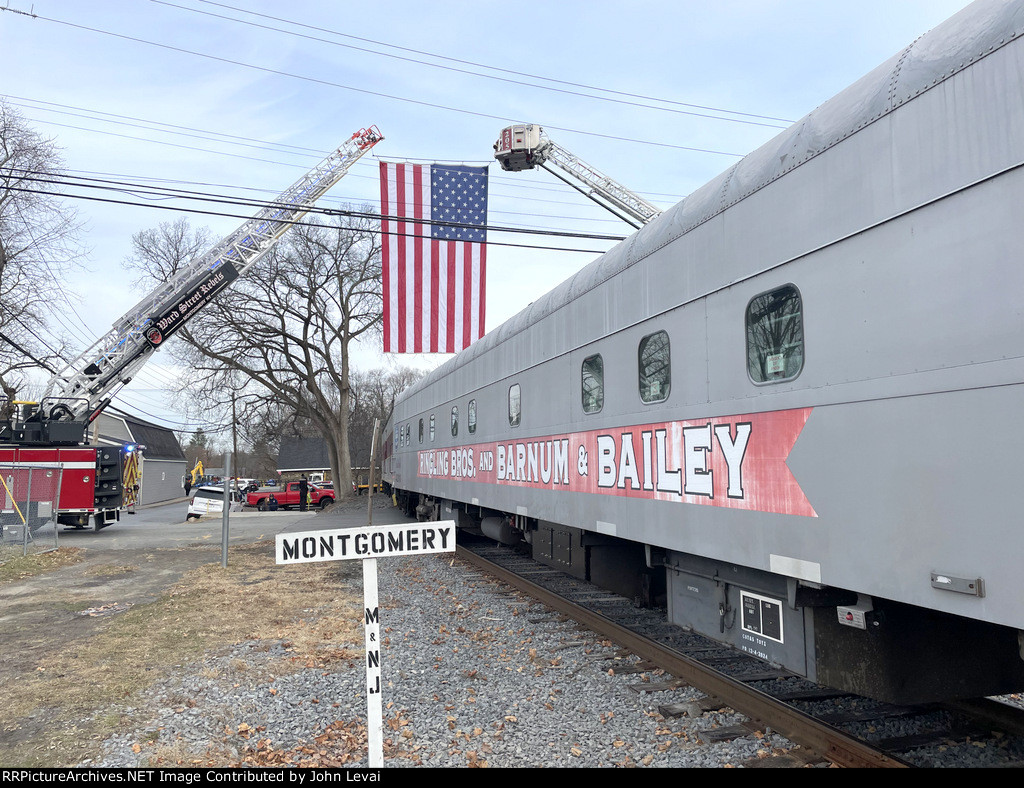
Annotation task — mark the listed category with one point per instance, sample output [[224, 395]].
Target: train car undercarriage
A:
[[873, 647]]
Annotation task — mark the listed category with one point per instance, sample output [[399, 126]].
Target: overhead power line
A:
[[744, 117], [29, 356], [364, 91], [168, 193], [257, 144]]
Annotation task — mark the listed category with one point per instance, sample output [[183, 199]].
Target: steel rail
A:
[[830, 743]]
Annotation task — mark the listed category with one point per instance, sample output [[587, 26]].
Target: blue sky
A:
[[248, 95]]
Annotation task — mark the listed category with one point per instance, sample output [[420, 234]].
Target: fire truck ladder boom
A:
[[86, 385], [527, 146]]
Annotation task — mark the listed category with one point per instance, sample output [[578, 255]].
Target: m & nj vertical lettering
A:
[[371, 621]]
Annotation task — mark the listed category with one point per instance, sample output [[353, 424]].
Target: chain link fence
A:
[[29, 498]]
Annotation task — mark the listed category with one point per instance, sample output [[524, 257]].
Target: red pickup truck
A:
[[287, 497]]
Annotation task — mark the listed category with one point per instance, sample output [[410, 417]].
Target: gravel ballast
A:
[[473, 676]]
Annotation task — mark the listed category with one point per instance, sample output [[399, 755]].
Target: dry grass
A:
[[110, 570], [21, 567], [315, 606]]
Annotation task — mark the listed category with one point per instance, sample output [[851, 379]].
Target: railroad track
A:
[[828, 726]]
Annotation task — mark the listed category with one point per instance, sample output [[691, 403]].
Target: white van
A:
[[210, 500]]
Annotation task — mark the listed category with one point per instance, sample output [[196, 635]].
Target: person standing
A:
[[188, 485], [303, 494]]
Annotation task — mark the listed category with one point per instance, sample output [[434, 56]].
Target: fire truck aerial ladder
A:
[[526, 146], [78, 393]]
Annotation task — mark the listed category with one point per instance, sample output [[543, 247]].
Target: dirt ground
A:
[[84, 630]]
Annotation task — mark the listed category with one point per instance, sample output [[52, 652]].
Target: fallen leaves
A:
[[245, 731], [341, 744], [105, 610]]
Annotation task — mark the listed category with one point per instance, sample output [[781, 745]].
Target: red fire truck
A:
[[80, 484]]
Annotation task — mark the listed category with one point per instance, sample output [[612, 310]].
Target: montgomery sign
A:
[[371, 542]]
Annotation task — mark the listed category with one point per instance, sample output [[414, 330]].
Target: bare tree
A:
[[38, 243], [279, 339], [373, 397], [159, 252]]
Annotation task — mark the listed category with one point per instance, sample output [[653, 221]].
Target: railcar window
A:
[[515, 406], [455, 420], [592, 374], [421, 430], [431, 427], [655, 367], [471, 416], [775, 336]]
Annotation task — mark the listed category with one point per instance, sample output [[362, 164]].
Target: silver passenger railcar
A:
[[790, 406]]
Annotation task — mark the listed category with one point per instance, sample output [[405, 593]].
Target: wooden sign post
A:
[[368, 544]]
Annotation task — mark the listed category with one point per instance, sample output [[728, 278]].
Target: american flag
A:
[[434, 256]]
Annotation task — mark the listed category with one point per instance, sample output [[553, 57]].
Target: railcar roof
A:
[[973, 33]]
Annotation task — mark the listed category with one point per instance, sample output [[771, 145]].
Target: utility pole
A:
[[224, 514], [234, 436], [373, 460]]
